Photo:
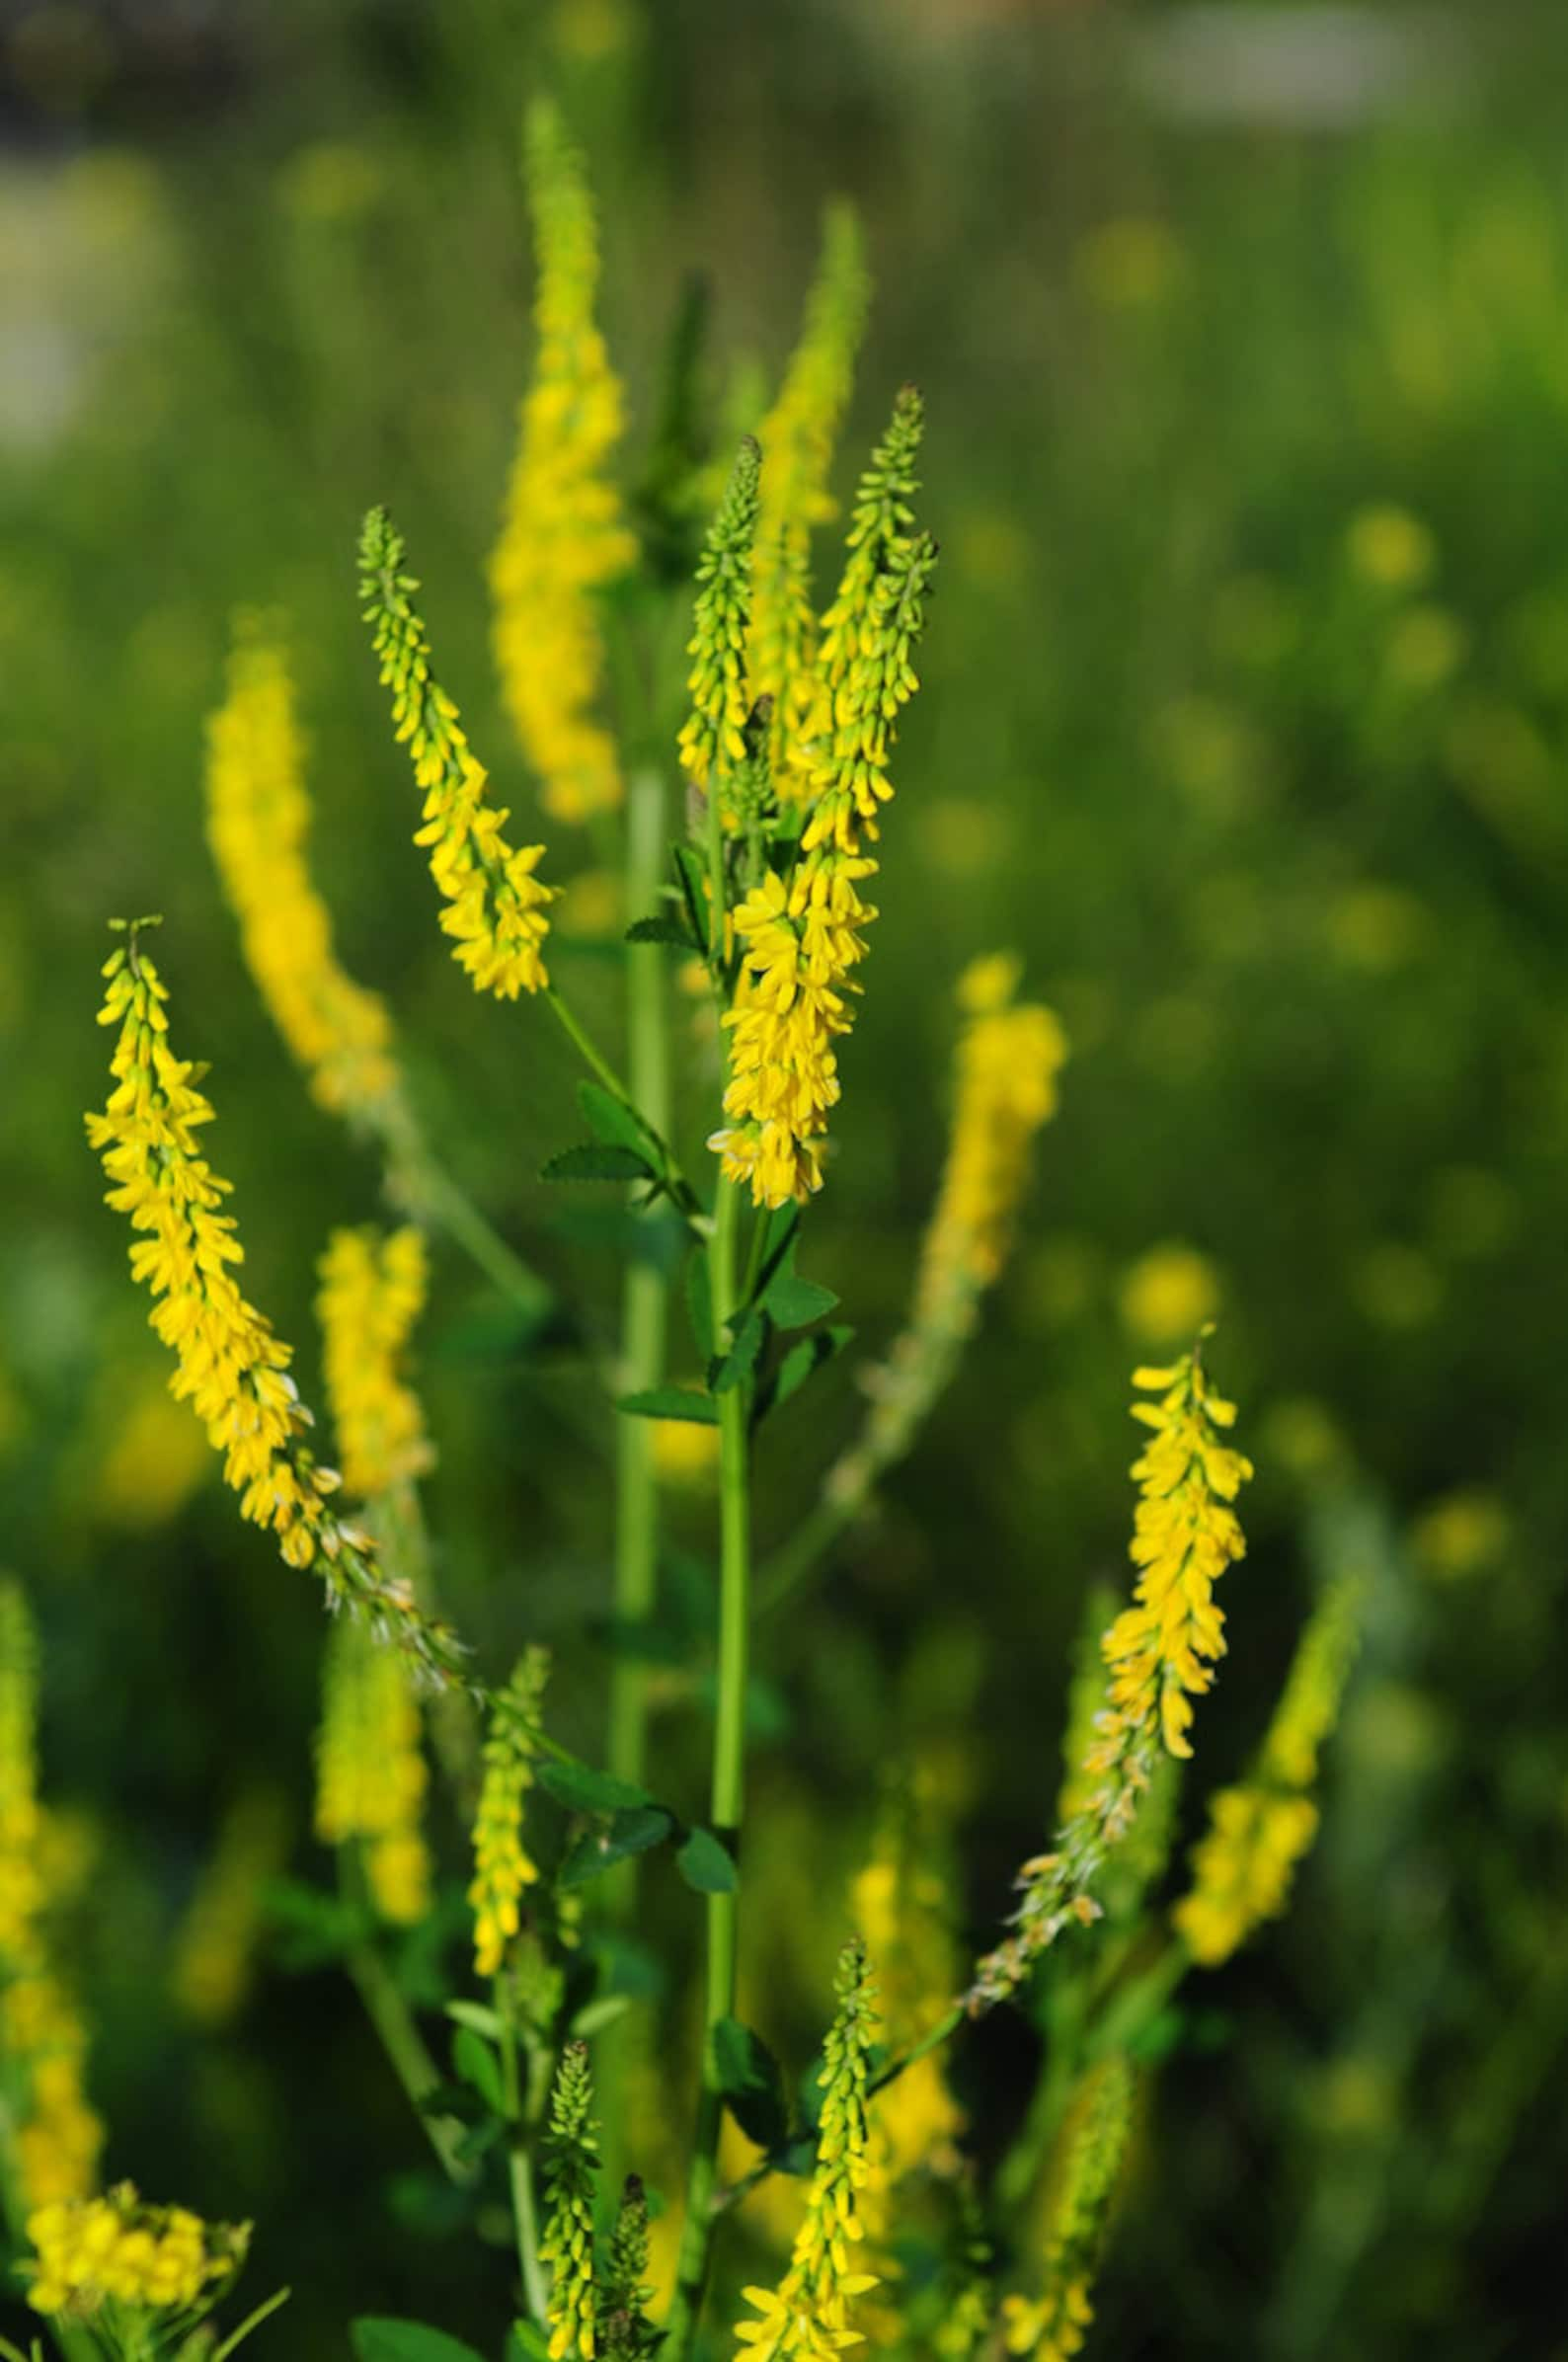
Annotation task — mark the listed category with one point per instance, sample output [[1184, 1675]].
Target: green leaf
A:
[[598, 1850], [476, 2064], [792, 1302], [672, 1402], [611, 1121], [596, 2015], [584, 1790], [405, 2341], [727, 1369], [751, 2084], [527, 2343], [699, 1303], [693, 882], [598, 1160], [660, 930], [802, 1362], [483, 2020], [706, 1865]]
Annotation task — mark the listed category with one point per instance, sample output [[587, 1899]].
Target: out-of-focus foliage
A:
[[1243, 724]]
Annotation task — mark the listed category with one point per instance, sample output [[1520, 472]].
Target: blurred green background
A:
[[1244, 339]]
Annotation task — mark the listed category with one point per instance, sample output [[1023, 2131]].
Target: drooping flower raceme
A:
[[230, 1365], [259, 826], [564, 534], [802, 936], [807, 2314], [1052, 2326], [1260, 1828], [370, 1771], [495, 905], [1160, 1654], [798, 438], [503, 1865], [372, 1291]]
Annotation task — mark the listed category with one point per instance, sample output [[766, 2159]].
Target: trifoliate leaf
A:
[[611, 1121], [671, 1402], [706, 1865], [751, 2082], [792, 1302], [584, 1790], [632, 1831]]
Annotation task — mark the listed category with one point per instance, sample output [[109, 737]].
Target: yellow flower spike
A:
[[798, 438], [803, 939], [1258, 1831], [495, 905], [372, 1291], [258, 827], [1160, 1654], [711, 744], [1087, 2172], [571, 2162], [20, 1890], [370, 1771], [503, 1866], [229, 1365], [147, 2259], [564, 535], [807, 2314]]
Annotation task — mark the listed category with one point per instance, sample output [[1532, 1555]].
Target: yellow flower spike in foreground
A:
[[496, 905], [1052, 2326], [801, 938], [230, 1367], [257, 826], [370, 1771], [798, 438], [712, 743], [372, 1291], [503, 1866], [571, 2162], [1259, 1830], [1160, 1654], [807, 2314], [116, 2252], [564, 535]]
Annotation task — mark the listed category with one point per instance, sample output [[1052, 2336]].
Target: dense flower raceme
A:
[[372, 1291], [1052, 2326], [230, 1367], [1160, 1654], [495, 905], [370, 1771], [1260, 1828], [807, 2314], [564, 535], [802, 936], [55, 2136], [503, 1865], [711, 745], [259, 826], [567, 2244], [798, 438], [116, 2252], [1008, 1056]]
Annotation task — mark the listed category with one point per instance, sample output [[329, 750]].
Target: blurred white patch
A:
[[1303, 67]]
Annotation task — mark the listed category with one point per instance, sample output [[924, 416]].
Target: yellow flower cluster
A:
[[1259, 1830], [1052, 2326], [1160, 1654], [564, 535], [114, 2249], [567, 2241], [370, 1771], [807, 2314], [496, 905], [372, 1291], [257, 826], [503, 1866], [59, 2137], [801, 938], [214, 1953], [798, 438], [712, 743], [231, 1368]]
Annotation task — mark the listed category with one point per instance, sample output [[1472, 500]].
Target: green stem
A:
[[519, 2153], [404, 2045], [577, 1032], [728, 1796]]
